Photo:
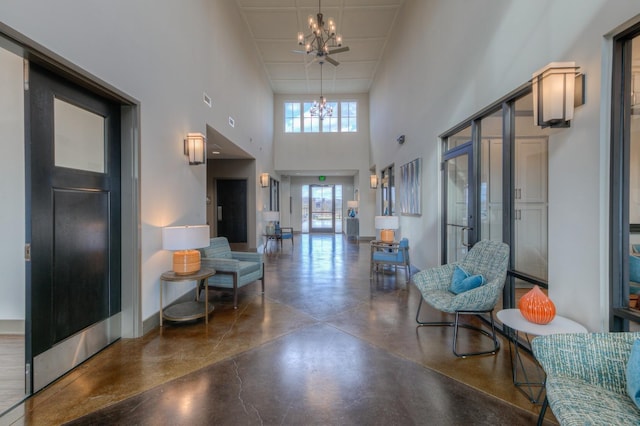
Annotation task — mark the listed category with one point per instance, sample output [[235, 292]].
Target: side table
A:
[[513, 319], [187, 311]]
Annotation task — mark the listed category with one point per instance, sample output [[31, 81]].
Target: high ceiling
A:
[[365, 26]]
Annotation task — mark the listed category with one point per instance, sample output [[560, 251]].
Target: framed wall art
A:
[[410, 204]]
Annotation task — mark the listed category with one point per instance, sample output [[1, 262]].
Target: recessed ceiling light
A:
[[215, 152]]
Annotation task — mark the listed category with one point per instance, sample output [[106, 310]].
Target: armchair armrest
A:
[[247, 256], [436, 278], [595, 358], [223, 265]]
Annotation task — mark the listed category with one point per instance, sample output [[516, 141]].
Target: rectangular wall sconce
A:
[[557, 89], [264, 180], [195, 147], [373, 181]]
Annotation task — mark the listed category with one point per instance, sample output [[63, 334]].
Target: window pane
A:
[[330, 124], [530, 201], [292, 117], [349, 116], [491, 177], [311, 124], [79, 137]]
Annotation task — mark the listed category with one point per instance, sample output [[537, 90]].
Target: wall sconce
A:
[[183, 240], [373, 181], [264, 180], [195, 147], [557, 89]]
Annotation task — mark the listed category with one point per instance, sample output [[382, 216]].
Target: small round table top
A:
[[199, 275], [514, 319]]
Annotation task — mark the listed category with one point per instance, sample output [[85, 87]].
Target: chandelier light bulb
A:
[[301, 38]]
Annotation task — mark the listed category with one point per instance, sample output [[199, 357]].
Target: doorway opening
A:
[[322, 209]]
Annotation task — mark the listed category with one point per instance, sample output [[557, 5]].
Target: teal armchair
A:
[[487, 258], [586, 377], [234, 269]]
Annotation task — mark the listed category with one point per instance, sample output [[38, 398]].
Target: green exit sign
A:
[[322, 178]]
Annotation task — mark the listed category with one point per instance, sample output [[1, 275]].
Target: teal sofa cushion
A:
[[633, 373], [462, 281]]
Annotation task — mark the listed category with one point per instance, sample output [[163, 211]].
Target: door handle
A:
[[219, 213], [465, 228]]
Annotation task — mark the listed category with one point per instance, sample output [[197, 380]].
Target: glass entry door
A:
[[459, 203], [322, 208]]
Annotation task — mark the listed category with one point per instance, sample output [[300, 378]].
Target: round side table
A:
[[187, 311], [513, 319]]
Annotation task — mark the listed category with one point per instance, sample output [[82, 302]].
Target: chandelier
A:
[[322, 38], [321, 109]]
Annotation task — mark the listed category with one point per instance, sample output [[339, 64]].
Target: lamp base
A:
[[186, 262], [387, 235]]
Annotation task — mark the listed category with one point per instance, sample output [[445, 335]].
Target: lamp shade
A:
[[373, 181], [270, 216], [387, 222], [353, 204], [553, 90], [195, 147], [183, 239]]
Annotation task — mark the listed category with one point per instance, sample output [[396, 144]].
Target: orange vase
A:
[[536, 307]]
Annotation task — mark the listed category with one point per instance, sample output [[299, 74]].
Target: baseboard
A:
[[12, 327]]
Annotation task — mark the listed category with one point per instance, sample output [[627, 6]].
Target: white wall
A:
[[12, 214], [165, 54], [450, 59]]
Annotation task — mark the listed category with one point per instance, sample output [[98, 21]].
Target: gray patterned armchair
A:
[[586, 377], [487, 258]]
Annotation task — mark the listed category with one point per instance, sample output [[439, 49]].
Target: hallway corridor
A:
[[323, 346]]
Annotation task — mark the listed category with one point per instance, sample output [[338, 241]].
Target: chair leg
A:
[[492, 335], [456, 325], [235, 291], [543, 411]]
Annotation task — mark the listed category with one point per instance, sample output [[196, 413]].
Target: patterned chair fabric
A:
[[586, 377], [487, 258], [234, 269], [395, 254]]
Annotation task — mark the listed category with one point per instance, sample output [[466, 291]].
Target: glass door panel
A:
[[322, 207], [459, 203]]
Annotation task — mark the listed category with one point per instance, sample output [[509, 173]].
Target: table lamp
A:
[[387, 224], [183, 240], [270, 217]]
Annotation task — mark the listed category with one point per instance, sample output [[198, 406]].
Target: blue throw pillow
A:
[[462, 281], [633, 373]]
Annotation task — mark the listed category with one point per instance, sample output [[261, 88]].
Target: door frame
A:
[[130, 324], [466, 148], [333, 209]]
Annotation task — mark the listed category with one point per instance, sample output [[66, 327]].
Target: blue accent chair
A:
[[394, 254], [234, 269], [284, 233]]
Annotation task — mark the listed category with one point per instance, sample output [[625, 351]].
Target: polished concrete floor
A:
[[323, 345]]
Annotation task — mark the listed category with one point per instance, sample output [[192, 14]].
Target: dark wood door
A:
[[232, 209], [73, 163]]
